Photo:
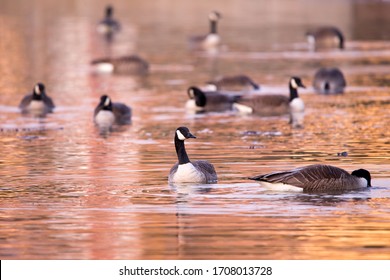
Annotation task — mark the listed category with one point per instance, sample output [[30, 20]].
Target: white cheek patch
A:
[[191, 93], [180, 135], [293, 83], [37, 90], [107, 101]]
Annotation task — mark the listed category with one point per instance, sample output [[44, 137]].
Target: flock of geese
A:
[[217, 96]]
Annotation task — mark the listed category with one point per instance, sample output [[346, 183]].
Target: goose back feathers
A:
[[124, 65], [317, 177], [329, 81], [324, 38]]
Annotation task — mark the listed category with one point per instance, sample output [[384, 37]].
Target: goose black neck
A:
[[293, 93], [181, 151], [36, 96], [213, 27]]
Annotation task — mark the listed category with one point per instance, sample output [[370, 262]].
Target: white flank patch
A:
[[187, 173], [192, 107], [312, 42], [180, 135], [210, 87], [242, 108], [105, 119], [280, 187], [104, 67]]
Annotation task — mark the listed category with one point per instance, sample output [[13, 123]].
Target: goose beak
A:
[[191, 135]]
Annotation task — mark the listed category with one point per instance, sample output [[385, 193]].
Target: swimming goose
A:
[[315, 177], [186, 171], [209, 101], [108, 113], [210, 41], [37, 102], [234, 83], [275, 105], [329, 81], [327, 37], [108, 26], [124, 65]]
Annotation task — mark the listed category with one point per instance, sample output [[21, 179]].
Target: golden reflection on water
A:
[[68, 192]]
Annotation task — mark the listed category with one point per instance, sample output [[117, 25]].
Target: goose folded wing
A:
[[310, 177]]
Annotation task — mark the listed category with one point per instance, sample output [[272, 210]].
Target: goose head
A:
[[105, 102], [183, 133], [296, 82], [363, 173], [38, 91], [214, 16], [198, 95], [109, 11]]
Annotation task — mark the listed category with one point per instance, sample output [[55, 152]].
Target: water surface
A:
[[68, 192]]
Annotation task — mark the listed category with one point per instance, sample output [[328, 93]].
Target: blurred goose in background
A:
[[124, 65], [275, 105], [186, 171], [37, 102], [234, 83], [209, 101], [314, 178], [323, 38], [108, 26], [329, 81], [108, 113], [210, 41]]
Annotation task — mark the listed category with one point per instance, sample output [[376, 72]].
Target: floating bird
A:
[[186, 171], [108, 26], [314, 178], [327, 37], [329, 81], [234, 83], [209, 101], [210, 41], [275, 105], [108, 113], [37, 102], [124, 65]]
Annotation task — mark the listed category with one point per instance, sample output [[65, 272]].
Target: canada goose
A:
[[209, 101], [329, 81], [37, 102], [108, 25], [327, 37], [186, 171], [234, 83], [275, 105], [108, 113], [210, 41], [316, 177], [124, 65]]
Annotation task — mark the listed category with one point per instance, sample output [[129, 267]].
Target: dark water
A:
[[67, 192]]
